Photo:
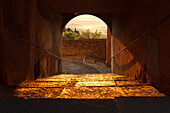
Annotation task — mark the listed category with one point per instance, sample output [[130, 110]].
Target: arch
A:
[[68, 19], [106, 18], [86, 20]]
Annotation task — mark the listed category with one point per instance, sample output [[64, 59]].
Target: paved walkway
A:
[[88, 86], [83, 93], [88, 93], [75, 65]]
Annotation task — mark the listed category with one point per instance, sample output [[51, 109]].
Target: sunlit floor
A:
[[88, 86]]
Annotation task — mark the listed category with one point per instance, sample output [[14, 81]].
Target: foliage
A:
[[96, 35], [69, 33], [86, 34], [76, 31], [69, 29]]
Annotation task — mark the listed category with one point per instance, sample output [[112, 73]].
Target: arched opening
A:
[[42, 28], [85, 46]]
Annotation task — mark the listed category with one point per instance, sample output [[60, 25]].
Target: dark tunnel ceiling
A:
[[91, 6]]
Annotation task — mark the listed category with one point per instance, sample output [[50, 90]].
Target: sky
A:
[[84, 22]]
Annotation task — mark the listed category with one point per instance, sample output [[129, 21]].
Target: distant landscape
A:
[[85, 26], [87, 34]]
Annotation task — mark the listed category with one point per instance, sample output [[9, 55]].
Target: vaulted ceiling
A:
[[84, 6], [95, 6], [104, 9]]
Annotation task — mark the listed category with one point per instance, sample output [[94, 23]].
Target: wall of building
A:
[[14, 52], [151, 51], [19, 60], [84, 47]]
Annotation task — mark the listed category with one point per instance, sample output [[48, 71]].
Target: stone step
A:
[[93, 60]]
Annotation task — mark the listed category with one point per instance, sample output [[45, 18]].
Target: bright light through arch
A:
[[86, 21]]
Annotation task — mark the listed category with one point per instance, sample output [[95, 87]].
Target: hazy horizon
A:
[[85, 21]]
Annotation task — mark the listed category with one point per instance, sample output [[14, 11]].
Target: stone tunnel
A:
[[27, 25]]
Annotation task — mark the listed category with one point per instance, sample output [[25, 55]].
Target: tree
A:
[[69, 29], [76, 31], [76, 35], [86, 34], [96, 35], [68, 34]]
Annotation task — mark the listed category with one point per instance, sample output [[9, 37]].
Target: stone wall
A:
[[151, 51], [84, 47], [19, 60], [15, 54]]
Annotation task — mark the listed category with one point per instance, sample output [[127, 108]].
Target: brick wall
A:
[[84, 47]]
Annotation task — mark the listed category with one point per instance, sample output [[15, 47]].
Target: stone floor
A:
[[87, 86], [75, 65], [85, 93]]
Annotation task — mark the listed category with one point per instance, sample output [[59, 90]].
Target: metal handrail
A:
[[142, 36], [31, 43]]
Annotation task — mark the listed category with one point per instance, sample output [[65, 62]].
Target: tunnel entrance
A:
[[30, 49], [84, 45]]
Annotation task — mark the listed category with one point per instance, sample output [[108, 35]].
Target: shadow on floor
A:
[[118, 105], [7, 91], [18, 105]]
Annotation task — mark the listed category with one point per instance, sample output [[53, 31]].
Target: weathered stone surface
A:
[[84, 47], [19, 59], [37, 92], [77, 65], [149, 52], [89, 86]]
